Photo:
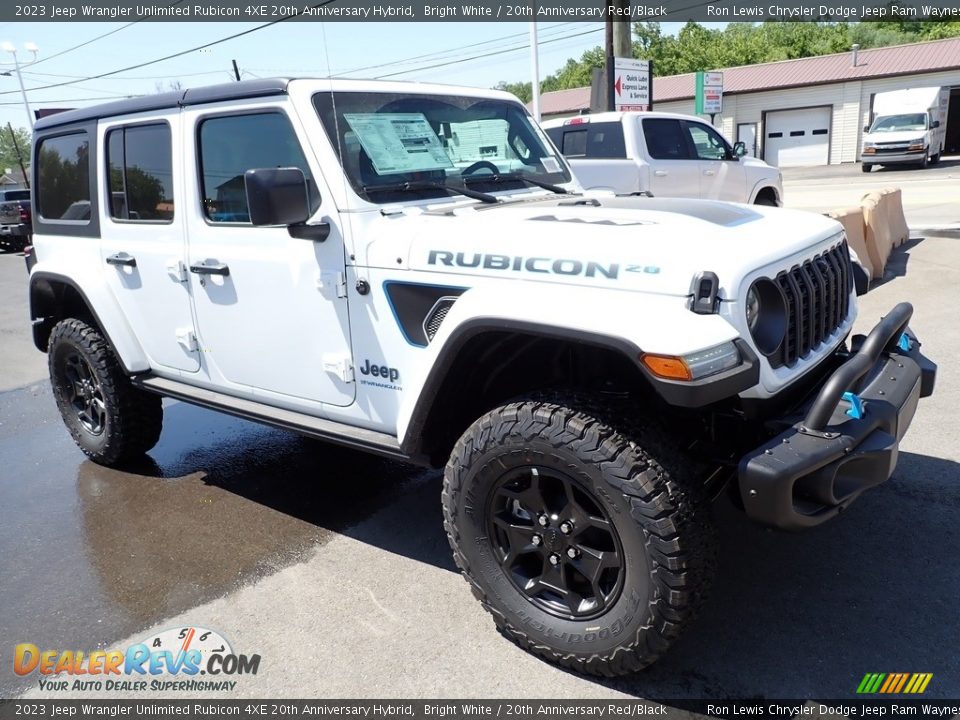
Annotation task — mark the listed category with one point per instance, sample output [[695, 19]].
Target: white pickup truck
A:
[[664, 154]]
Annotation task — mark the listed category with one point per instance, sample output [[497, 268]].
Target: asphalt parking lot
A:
[[333, 565]]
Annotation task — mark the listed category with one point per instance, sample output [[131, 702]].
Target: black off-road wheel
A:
[[589, 546], [110, 420]]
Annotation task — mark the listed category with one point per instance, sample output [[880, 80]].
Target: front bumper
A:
[[893, 158], [848, 440]]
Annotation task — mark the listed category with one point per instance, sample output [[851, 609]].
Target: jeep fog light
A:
[[693, 366]]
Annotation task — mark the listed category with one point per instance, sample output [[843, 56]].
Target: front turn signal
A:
[[667, 366]]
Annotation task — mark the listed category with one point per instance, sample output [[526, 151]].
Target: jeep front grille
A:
[[817, 293]]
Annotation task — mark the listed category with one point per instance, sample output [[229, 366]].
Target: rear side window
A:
[[231, 145], [63, 178], [665, 139], [594, 140], [605, 140], [139, 165]]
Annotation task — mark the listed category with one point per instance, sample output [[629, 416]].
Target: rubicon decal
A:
[[517, 263], [178, 652], [894, 683]]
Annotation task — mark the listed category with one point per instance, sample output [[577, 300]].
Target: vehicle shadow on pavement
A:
[[806, 615], [896, 266]]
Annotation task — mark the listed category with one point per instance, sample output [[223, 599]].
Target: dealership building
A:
[[809, 111]]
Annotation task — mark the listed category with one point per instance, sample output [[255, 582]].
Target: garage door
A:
[[797, 137]]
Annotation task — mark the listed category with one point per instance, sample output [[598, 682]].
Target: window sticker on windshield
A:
[[550, 164], [399, 142]]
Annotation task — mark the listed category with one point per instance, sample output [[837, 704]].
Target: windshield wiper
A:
[[412, 185], [513, 177]]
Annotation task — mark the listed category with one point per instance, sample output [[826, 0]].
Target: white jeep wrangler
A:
[[411, 270]]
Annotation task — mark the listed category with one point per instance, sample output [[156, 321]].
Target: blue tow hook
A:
[[904, 342], [856, 410]]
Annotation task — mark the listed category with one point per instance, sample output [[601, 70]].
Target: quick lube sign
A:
[[631, 84]]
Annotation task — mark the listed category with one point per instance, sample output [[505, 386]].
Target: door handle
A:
[[122, 259], [210, 267], [660, 173], [709, 172]]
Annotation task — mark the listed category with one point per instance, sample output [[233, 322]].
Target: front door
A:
[[271, 309], [722, 176], [674, 172], [142, 242]]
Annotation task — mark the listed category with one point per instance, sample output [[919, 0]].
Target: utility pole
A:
[[16, 147], [618, 43]]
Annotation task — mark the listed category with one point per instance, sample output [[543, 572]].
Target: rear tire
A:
[[765, 199], [110, 420], [634, 499]]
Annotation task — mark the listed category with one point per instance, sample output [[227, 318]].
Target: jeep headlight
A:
[[695, 365], [766, 315]]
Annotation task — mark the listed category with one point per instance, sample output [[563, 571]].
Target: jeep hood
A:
[[626, 243]]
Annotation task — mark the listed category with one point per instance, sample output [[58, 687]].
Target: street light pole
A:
[[10, 48]]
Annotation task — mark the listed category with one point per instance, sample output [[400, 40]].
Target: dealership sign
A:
[[709, 93]]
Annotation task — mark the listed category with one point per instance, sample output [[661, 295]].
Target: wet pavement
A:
[[89, 554]]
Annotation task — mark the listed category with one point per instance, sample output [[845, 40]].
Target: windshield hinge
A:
[[339, 366]]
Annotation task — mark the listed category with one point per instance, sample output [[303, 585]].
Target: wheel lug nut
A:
[[543, 520], [566, 527], [573, 553], [554, 559], [537, 540]]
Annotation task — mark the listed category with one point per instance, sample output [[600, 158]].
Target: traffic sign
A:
[[631, 84]]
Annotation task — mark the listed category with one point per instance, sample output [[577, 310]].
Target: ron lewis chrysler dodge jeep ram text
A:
[[412, 270]]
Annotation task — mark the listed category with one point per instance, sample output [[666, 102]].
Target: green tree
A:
[[8, 151]]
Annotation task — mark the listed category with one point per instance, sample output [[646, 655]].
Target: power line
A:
[[172, 55]]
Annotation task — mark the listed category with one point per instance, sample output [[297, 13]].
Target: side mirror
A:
[[277, 196], [739, 148], [936, 124], [866, 128]]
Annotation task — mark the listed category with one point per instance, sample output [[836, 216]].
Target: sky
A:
[[476, 54]]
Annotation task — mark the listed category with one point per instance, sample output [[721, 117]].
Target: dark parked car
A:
[[16, 221]]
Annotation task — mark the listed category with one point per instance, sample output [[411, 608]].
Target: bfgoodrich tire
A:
[[109, 419], [589, 547]]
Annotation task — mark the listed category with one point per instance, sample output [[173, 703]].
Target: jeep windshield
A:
[[401, 146]]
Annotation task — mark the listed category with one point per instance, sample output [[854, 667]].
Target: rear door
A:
[[598, 155], [142, 240], [674, 171], [722, 176], [271, 308]]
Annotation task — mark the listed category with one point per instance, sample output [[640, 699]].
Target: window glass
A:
[[229, 146], [16, 194], [709, 144], [63, 178], [139, 160], [575, 143], [408, 146], [605, 140], [665, 139]]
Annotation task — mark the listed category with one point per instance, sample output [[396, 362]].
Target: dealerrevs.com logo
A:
[[188, 659]]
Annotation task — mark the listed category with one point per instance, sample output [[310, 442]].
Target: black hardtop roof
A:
[[179, 98]]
